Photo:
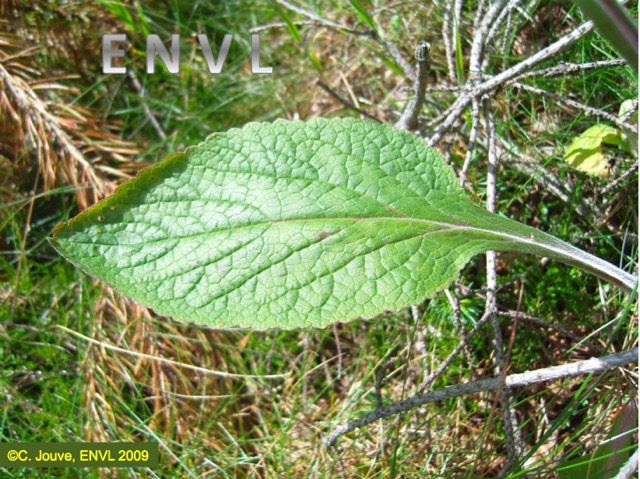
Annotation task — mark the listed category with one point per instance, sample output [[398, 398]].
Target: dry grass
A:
[[52, 140]]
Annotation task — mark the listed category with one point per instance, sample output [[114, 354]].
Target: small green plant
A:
[[293, 224], [585, 151]]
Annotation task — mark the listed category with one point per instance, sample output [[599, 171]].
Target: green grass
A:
[[62, 379]]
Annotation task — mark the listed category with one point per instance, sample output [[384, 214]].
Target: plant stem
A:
[[573, 256]]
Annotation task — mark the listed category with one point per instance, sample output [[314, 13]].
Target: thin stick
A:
[[475, 121], [451, 114], [532, 320], [580, 106], [544, 54], [495, 25], [169, 361], [505, 396], [589, 366], [620, 179], [409, 118], [454, 354], [455, 305], [456, 36], [479, 14], [147, 111], [457, 18], [346, 102], [478, 45], [540, 323], [447, 41], [567, 68]]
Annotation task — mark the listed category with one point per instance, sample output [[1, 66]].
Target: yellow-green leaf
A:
[[585, 152]]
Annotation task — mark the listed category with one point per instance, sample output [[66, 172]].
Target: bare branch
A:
[[451, 114], [506, 11], [454, 354], [409, 119], [449, 54], [568, 68], [505, 396], [540, 323], [589, 366], [455, 306], [477, 48], [580, 106]]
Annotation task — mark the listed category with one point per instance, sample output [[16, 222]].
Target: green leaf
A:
[[363, 14], [459, 56], [315, 61], [291, 26], [121, 11], [294, 224], [393, 66], [585, 152]]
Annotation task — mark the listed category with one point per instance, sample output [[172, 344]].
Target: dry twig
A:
[[580, 106], [589, 366], [409, 118], [451, 114], [147, 111], [505, 397], [620, 179], [346, 102]]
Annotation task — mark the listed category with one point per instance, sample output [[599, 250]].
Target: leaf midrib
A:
[[445, 227]]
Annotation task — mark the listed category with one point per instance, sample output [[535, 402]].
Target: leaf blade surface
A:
[[288, 225]]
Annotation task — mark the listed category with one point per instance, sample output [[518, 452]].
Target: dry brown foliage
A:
[[49, 139]]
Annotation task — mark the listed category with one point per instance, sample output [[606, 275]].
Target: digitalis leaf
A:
[[293, 224]]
